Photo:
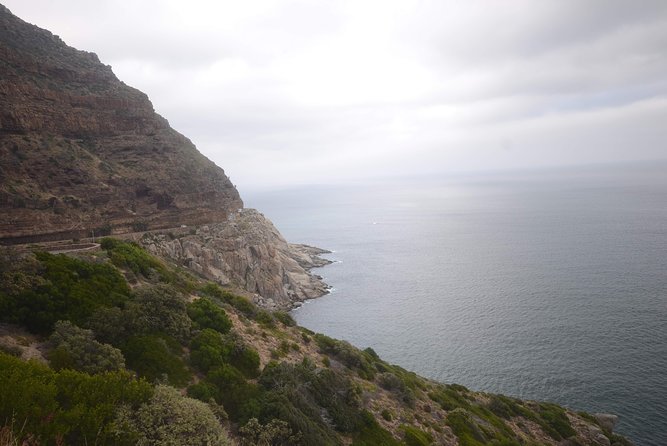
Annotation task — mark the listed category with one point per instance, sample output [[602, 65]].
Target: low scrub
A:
[[37, 292], [67, 406]]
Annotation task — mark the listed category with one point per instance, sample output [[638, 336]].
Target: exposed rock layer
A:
[[246, 251], [81, 152]]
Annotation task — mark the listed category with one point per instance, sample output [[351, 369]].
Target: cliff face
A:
[[84, 155], [80, 151], [246, 251]]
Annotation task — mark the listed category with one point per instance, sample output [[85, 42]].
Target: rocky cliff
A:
[[81, 152], [84, 155], [245, 251]]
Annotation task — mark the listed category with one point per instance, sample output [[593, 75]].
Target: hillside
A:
[[121, 320]]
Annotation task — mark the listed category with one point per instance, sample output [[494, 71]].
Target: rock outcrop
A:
[[83, 153], [245, 251]]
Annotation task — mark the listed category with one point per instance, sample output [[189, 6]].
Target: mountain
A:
[[82, 152], [84, 155], [161, 333]]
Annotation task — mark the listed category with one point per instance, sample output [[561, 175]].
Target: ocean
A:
[[545, 285]]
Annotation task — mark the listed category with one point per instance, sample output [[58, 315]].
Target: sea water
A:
[[545, 285]]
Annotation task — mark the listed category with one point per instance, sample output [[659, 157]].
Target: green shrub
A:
[[156, 358], [555, 421], [274, 433], [371, 433], [205, 314], [448, 398], [131, 256], [413, 436], [239, 398], [264, 318], [59, 288], [371, 353], [302, 389], [464, 427], [246, 360], [158, 308], [203, 391], [65, 407], [111, 325], [284, 318], [76, 348], [301, 418], [242, 304], [284, 347], [349, 355], [386, 415], [393, 383], [171, 419], [153, 309], [210, 349]]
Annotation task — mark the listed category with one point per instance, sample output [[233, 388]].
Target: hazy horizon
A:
[[289, 93]]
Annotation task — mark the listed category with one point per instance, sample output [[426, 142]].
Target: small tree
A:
[[170, 418], [206, 314], [76, 348], [274, 433]]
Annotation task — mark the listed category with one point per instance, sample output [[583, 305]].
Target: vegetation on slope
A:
[[127, 336]]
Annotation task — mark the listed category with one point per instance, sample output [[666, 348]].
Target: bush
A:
[[171, 419], [448, 398], [300, 394], [349, 355], [274, 433], [65, 407], [131, 256], [154, 309], [69, 289], [205, 314], [371, 433], [239, 398], [298, 415], [159, 308], [416, 437], [247, 308], [555, 421], [393, 383], [284, 318], [210, 349], [203, 391], [464, 427], [76, 348], [156, 358]]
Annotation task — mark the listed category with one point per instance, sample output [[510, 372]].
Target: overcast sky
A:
[[283, 92]]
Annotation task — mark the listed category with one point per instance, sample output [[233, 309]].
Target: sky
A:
[[283, 93]]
